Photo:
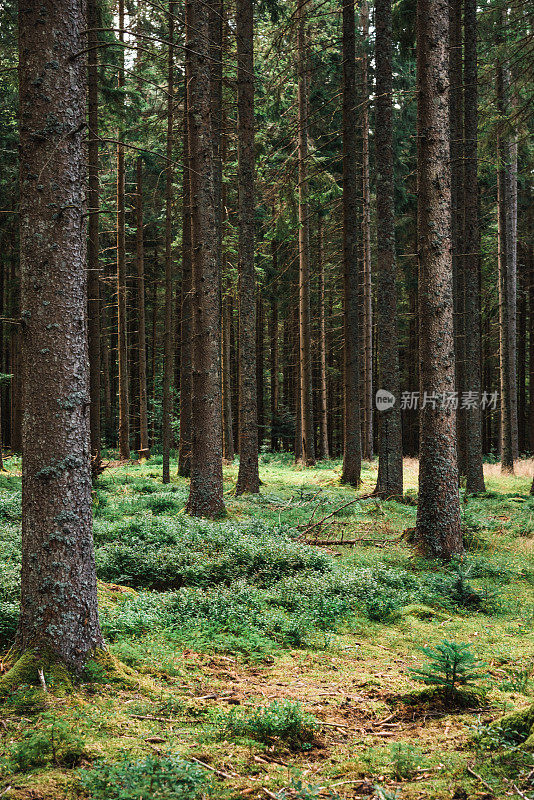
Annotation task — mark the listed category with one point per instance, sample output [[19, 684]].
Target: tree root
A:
[[34, 667], [518, 727]]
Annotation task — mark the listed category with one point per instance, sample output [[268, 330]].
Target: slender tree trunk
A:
[[367, 294], [273, 339], [228, 429], [323, 393], [186, 328], [521, 356], [305, 360], [352, 455], [122, 345], [260, 368], [168, 362], [530, 272], [274, 368], [507, 254], [154, 353], [248, 476], [58, 613], [438, 531], [471, 257], [93, 266], [206, 493], [144, 451], [389, 483]]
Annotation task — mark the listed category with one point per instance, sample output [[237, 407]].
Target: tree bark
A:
[[206, 492], [58, 614], [323, 393], [248, 477], [228, 428], [144, 451], [305, 360], [275, 363], [93, 250], [457, 213], [389, 482], [507, 258], [352, 453], [367, 293], [438, 531], [260, 368], [168, 361], [471, 257], [186, 324], [122, 327]]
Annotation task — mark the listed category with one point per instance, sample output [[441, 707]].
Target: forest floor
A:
[[273, 667]]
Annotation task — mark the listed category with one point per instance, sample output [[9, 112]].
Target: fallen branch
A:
[[216, 771], [320, 522], [482, 781]]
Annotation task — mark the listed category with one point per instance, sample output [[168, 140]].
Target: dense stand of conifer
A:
[[270, 236]]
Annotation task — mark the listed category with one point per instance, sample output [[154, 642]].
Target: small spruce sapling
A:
[[450, 665]]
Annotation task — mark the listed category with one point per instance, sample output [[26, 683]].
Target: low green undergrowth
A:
[[283, 721]]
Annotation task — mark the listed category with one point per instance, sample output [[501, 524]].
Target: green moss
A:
[[518, 727], [26, 668]]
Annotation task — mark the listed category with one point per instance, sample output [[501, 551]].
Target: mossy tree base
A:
[[59, 679], [518, 727]]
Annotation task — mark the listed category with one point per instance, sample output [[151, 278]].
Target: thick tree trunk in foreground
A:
[[206, 493], [93, 250], [248, 477], [457, 212], [438, 531], [58, 612], [306, 404], [144, 451], [471, 257], [352, 454], [122, 326], [389, 481], [168, 334], [186, 324]]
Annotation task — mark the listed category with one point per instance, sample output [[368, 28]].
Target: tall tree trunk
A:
[[122, 327], [471, 257], [144, 451], [228, 429], [323, 393], [186, 323], [58, 613], [530, 272], [457, 214], [168, 361], [206, 493], [438, 531], [260, 368], [305, 359], [248, 477], [275, 363], [367, 293], [352, 454], [106, 369], [507, 257], [389, 482], [93, 266]]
